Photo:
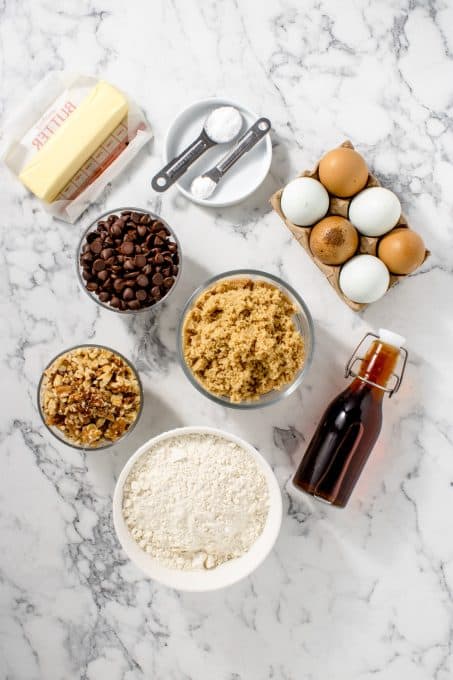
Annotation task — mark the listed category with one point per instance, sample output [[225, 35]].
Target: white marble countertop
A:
[[354, 594]]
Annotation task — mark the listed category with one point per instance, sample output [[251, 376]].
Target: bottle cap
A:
[[391, 338]]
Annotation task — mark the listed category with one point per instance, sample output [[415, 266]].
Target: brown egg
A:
[[343, 172], [333, 240], [402, 250]]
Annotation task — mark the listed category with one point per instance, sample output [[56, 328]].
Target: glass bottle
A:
[[350, 426]]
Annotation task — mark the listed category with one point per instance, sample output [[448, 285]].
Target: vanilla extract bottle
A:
[[350, 426]]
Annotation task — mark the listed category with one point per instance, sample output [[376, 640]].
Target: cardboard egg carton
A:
[[338, 206]]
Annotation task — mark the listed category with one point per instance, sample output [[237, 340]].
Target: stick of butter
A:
[[75, 141]]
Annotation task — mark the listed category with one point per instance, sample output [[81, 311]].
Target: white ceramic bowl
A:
[[243, 178], [227, 573]]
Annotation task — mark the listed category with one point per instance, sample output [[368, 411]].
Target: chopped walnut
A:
[[91, 395]]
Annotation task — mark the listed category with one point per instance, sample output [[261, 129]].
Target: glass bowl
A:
[[57, 433], [303, 322], [92, 227]]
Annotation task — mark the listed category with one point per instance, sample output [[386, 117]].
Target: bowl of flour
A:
[[197, 508]]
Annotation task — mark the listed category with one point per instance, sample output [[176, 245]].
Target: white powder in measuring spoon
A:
[[194, 501], [202, 187], [223, 124]]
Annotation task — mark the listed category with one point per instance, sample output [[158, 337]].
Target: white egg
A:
[[374, 211], [304, 201], [364, 278]]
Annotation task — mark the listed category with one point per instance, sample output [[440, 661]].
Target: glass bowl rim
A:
[[66, 441], [91, 295], [279, 394]]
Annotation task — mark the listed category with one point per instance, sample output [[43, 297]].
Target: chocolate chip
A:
[[104, 296], [140, 261], [128, 294], [106, 253], [143, 281], [157, 279], [141, 295], [98, 265], [142, 230], [96, 246], [115, 230], [115, 302], [168, 282], [127, 248], [86, 258], [118, 285], [155, 292], [92, 286], [134, 304]]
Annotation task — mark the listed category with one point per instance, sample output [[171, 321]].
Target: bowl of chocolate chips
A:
[[128, 260]]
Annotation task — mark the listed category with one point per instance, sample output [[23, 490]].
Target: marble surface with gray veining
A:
[[356, 594]]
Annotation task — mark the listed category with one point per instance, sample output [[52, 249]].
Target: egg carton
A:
[[338, 206]]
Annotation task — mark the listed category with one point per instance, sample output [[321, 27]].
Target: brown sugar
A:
[[240, 340]]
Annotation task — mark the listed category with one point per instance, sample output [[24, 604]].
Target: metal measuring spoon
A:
[[204, 186], [178, 166]]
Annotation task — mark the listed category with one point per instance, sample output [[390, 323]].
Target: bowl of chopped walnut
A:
[[90, 397]]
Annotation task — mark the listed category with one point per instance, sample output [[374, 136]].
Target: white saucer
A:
[[243, 178]]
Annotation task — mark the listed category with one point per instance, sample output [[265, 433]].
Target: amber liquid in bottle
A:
[[348, 430]]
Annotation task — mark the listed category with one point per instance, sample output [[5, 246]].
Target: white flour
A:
[[195, 500]]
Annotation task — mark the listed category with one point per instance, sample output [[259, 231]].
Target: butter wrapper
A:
[[45, 110]]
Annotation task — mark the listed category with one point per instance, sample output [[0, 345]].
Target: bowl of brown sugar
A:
[[245, 339]]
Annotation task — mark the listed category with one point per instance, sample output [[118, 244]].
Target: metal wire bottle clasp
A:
[[349, 371]]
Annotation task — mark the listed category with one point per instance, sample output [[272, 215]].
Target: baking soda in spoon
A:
[[204, 186]]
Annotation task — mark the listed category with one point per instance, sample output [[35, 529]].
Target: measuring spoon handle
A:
[[247, 142], [178, 166]]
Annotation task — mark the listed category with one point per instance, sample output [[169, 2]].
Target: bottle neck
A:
[[378, 367]]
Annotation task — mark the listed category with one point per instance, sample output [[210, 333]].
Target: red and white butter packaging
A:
[[43, 112]]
